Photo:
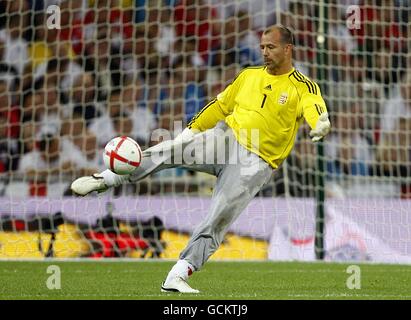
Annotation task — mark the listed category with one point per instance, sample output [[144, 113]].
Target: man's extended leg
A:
[[190, 153], [236, 186], [154, 159]]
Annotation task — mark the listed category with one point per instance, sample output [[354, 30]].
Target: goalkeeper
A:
[[257, 116]]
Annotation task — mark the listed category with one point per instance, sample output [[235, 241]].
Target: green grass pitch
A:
[[216, 281]]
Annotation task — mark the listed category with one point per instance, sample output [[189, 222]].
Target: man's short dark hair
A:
[[287, 36]]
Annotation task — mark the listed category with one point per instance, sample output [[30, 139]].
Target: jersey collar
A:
[[280, 75]]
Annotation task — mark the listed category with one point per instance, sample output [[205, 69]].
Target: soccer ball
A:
[[122, 155]]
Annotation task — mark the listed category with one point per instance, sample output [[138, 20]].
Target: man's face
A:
[[274, 52]]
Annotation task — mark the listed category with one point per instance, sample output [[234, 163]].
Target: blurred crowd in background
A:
[[127, 67]]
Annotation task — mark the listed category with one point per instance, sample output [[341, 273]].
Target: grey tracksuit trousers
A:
[[240, 175]]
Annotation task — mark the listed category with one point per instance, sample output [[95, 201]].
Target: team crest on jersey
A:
[[283, 98]]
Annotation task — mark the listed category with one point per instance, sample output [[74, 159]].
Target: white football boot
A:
[[177, 284], [176, 280], [84, 185]]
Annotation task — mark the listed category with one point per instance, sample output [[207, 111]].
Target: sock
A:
[[113, 180], [181, 269]]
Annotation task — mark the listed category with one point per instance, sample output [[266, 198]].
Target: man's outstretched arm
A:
[[208, 117], [217, 109]]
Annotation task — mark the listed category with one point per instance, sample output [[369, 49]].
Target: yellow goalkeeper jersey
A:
[[264, 111]]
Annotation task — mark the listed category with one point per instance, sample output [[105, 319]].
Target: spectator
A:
[[340, 41], [263, 11], [157, 36], [352, 85], [33, 107], [106, 17], [61, 70], [133, 62], [299, 18], [143, 119], [43, 45], [122, 123], [221, 78], [239, 45], [156, 93], [72, 28], [9, 130], [103, 62], [52, 157], [186, 93], [197, 20], [123, 117], [12, 43], [8, 146], [396, 107], [187, 48], [348, 151], [247, 36], [83, 97], [145, 61], [384, 70], [382, 25], [27, 138], [9, 74], [93, 154], [302, 178], [76, 130], [382, 37], [46, 105], [116, 121], [9, 110], [160, 18], [394, 155]]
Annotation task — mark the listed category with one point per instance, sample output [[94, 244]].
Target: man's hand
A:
[[322, 128]]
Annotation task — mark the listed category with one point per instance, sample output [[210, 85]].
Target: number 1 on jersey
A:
[[265, 97]]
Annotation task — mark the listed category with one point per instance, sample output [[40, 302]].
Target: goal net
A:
[[75, 74]]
